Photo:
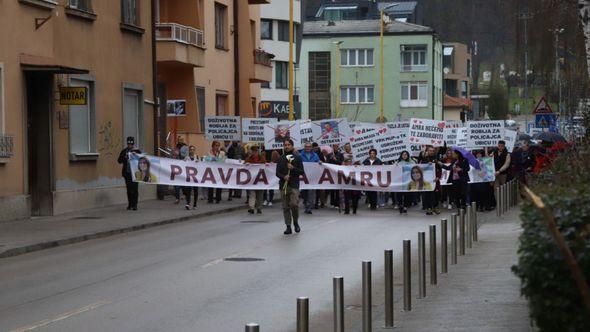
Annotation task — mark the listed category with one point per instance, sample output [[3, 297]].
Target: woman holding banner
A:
[[372, 161], [459, 178], [215, 155], [255, 196], [404, 199]]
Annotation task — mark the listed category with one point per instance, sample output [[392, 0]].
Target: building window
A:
[[201, 107], [132, 115], [319, 90], [220, 26], [450, 87], [413, 58], [414, 94], [221, 105], [464, 89], [281, 75], [356, 57], [468, 68], [265, 85], [85, 5], [265, 29], [283, 30], [357, 94], [82, 121], [448, 62], [130, 12]]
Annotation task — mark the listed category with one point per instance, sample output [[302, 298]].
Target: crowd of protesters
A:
[[455, 194]]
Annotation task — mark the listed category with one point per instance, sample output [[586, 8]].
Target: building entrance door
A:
[[40, 176]]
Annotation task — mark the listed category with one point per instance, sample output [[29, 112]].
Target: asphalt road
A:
[[175, 278]]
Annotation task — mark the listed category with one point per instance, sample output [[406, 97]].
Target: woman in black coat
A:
[[459, 178], [372, 161]]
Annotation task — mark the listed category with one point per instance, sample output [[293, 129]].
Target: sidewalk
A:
[[23, 236], [480, 293]]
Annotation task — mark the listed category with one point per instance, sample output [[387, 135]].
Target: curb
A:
[[102, 234]]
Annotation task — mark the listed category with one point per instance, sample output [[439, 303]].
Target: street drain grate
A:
[[86, 218], [254, 221], [243, 259]]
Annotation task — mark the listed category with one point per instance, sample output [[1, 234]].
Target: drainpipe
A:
[[433, 68], [155, 80], [236, 59]]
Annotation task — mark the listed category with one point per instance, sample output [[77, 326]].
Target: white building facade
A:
[[274, 34]]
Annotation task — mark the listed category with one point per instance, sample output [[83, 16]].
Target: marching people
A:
[[235, 151], [404, 198], [459, 178], [482, 192], [308, 156], [180, 152], [335, 158], [269, 195], [132, 187], [446, 191], [320, 197], [351, 197], [289, 169], [191, 191], [372, 160], [429, 202], [523, 161], [214, 155], [502, 164], [255, 196]]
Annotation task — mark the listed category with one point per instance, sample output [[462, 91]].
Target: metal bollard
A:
[[462, 232], [498, 210], [389, 288], [338, 287], [469, 223], [421, 265], [505, 203], [454, 239], [509, 196], [407, 275], [252, 327], [367, 317], [474, 220], [444, 267], [302, 314], [433, 269]]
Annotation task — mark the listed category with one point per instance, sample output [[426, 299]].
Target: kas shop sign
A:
[[73, 95]]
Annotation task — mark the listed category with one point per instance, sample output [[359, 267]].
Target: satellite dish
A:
[[446, 70]]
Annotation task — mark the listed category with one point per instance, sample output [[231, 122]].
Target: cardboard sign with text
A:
[[306, 132], [391, 144], [510, 138], [426, 132], [276, 134], [362, 143], [223, 128], [482, 134], [331, 131], [253, 129]]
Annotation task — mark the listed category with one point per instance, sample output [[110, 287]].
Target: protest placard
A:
[[222, 128], [482, 134], [427, 132], [391, 144], [453, 123], [450, 136], [253, 129], [277, 133], [306, 132], [413, 149], [510, 138], [331, 131], [362, 143], [485, 173], [363, 127], [461, 137]]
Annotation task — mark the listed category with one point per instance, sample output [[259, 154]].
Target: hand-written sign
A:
[[510, 138], [362, 143], [484, 133], [461, 137], [450, 135], [391, 144], [222, 128], [306, 132], [427, 132], [253, 129]]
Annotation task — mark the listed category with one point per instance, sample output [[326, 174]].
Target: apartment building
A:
[[75, 80], [340, 71], [210, 61], [457, 67]]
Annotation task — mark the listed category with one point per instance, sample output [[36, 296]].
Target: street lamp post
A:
[[381, 62], [337, 43], [557, 32], [291, 65]]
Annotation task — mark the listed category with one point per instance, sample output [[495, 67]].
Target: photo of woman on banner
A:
[[330, 129], [416, 176], [143, 173], [282, 133], [459, 178]]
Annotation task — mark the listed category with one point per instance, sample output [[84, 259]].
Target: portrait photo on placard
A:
[[418, 177]]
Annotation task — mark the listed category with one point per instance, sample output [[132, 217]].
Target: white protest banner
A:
[[276, 134], [398, 125], [391, 144], [222, 128], [414, 149], [253, 129], [426, 132], [306, 132], [510, 138], [362, 143], [450, 136], [155, 170], [461, 137], [444, 176], [363, 127], [485, 173], [453, 123], [482, 134], [331, 131]]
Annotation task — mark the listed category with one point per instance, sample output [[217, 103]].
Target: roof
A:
[[361, 27], [455, 102], [400, 7]]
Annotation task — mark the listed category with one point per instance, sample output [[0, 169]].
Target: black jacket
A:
[[296, 171], [377, 162], [336, 158], [124, 160], [463, 174]]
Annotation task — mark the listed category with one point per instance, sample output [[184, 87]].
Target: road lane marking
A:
[[61, 317]]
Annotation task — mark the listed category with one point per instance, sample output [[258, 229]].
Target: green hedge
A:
[[547, 283]]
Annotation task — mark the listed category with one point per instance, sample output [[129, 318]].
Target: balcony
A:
[[259, 2], [414, 68], [262, 67], [180, 44]]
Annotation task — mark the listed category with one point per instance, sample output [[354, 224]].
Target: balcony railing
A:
[[263, 58], [179, 33], [414, 68]]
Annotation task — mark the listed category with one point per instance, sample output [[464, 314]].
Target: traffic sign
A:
[[542, 107], [545, 120]]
